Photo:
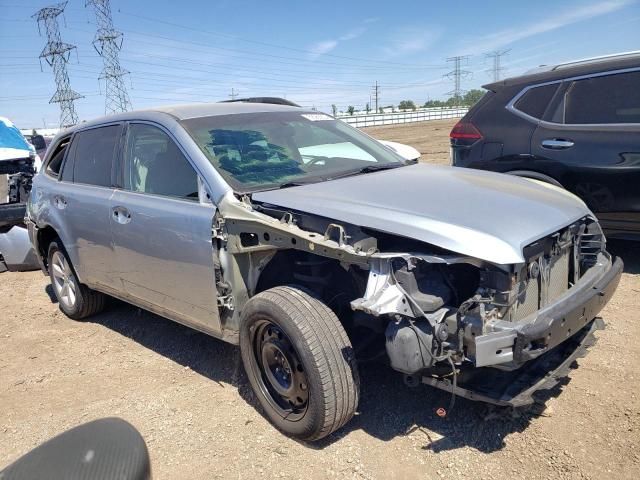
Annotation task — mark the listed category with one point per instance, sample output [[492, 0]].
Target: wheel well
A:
[[325, 277], [46, 235], [536, 176]]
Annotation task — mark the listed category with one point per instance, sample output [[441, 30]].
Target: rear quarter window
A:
[[535, 101], [54, 165], [93, 155]]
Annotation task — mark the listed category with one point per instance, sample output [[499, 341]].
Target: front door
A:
[[162, 230]]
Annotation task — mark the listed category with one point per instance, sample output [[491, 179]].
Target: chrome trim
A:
[[511, 105]]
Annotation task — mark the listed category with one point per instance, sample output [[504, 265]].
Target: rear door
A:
[[591, 133], [163, 230], [82, 198]]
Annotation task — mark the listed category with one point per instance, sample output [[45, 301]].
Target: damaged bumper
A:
[[507, 362], [510, 344], [534, 381]]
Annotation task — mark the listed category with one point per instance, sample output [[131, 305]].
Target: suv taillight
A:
[[464, 134]]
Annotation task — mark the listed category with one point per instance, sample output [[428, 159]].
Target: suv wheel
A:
[[299, 361], [76, 301]]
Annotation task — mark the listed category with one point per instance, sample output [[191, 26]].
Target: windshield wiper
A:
[[297, 183], [370, 168]]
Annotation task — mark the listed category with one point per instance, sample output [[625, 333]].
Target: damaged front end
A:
[[452, 316], [490, 332]]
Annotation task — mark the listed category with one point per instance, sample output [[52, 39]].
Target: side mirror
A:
[[103, 449]]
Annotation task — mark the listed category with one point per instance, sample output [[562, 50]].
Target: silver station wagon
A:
[[312, 246]]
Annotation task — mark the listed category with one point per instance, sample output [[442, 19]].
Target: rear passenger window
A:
[[94, 150], [153, 163], [535, 101], [54, 165], [606, 99]]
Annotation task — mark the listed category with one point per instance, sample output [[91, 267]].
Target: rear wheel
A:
[[76, 301], [300, 362]]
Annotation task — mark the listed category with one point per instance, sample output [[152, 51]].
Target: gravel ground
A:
[[190, 399]]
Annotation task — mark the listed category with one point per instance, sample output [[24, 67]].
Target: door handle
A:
[[121, 215], [60, 202], [557, 143]]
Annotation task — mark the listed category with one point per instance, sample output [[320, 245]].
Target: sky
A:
[[313, 53]]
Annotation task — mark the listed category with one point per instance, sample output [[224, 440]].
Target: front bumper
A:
[[541, 348], [510, 345], [535, 381]]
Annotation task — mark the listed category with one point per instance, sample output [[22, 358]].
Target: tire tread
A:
[[328, 343]]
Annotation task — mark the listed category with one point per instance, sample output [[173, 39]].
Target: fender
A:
[[535, 176]]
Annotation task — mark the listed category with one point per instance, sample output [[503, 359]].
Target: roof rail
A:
[[272, 100], [583, 61], [586, 61]]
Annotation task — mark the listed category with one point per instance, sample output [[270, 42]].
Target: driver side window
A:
[[154, 164]]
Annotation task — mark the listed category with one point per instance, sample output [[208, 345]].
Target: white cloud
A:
[[551, 22], [325, 46], [320, 48], [355, 33], [412, 40]]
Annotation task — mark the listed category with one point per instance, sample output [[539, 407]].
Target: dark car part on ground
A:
[[576, 126], [104, 449]]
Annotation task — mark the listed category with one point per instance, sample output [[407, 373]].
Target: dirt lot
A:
[[430, 138], [189, 397]]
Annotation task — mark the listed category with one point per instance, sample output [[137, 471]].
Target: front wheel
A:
[[300, 362]]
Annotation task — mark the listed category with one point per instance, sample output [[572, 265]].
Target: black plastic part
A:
[[426, 287], [11, 214], [104, 449], [535, 381], [271, 100], [409, 345]]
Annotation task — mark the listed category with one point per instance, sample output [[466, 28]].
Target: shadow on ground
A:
[[629, 252], [388, 409]]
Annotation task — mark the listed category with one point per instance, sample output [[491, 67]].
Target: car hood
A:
[[485, 215]]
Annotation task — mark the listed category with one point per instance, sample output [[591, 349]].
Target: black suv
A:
[[575, 125]]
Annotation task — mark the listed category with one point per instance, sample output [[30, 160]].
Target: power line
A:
[[233, 94], [108, 43], [457, 74], [497, 69], [272, 45], [266, 57], [56, 54]]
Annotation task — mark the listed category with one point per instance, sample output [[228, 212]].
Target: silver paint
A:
[[481, 214]]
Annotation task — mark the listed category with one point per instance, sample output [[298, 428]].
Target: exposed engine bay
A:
[[434, 315]]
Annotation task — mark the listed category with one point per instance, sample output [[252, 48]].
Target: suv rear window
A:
[[535, 101], [606, 99], [94, 150]]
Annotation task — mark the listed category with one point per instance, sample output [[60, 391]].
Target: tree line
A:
[[466, 100]]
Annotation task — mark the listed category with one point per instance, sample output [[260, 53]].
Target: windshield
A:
[[10, 136], [259, 151]]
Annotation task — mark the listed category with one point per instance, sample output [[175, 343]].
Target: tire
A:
[[300, 362], [77, 301]]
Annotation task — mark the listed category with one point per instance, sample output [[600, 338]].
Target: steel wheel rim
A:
[[281, 375], [63, 280]]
